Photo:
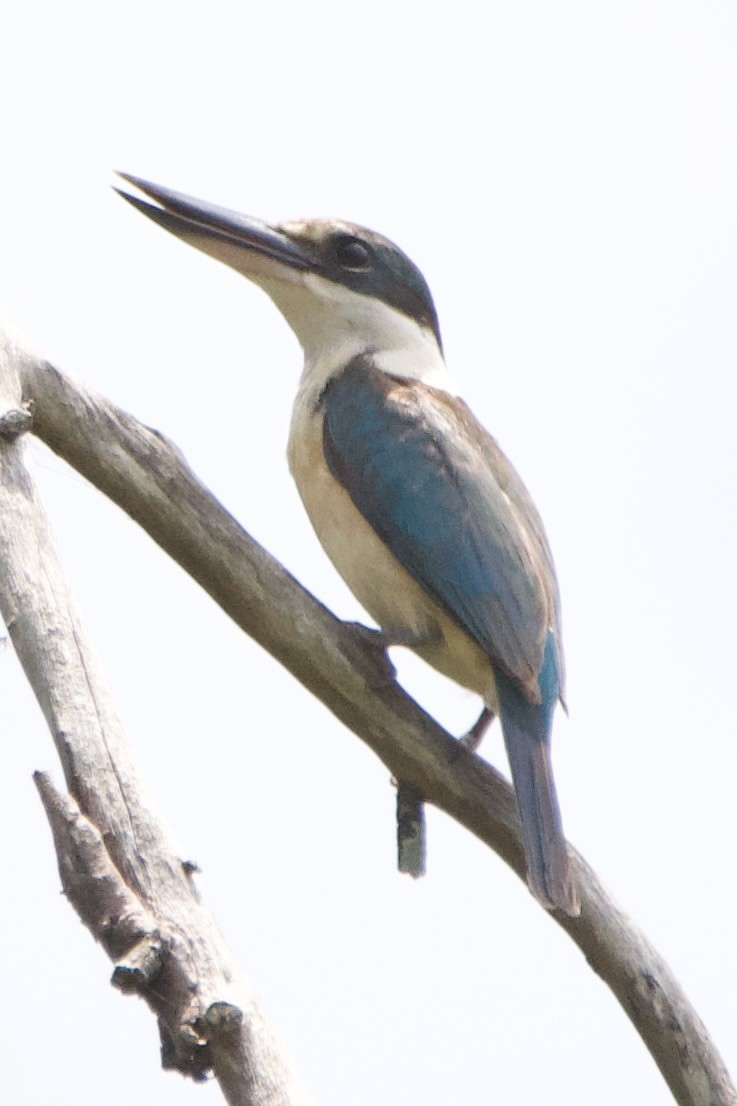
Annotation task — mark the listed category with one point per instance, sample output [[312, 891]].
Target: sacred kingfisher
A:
[[412, 500]]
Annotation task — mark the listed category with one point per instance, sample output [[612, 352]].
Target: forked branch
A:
[[118, 867], [149, 479]]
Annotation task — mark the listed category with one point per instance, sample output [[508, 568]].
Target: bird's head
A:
[[344, 290]]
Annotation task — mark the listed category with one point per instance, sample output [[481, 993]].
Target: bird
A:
[[411, 498]]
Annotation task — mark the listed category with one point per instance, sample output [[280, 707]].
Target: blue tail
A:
[[526, 727]]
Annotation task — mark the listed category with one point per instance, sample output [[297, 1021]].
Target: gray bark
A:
[[118, 866], [149, 479]]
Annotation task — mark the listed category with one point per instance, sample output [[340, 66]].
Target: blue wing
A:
[[440, 493], [443, 497]]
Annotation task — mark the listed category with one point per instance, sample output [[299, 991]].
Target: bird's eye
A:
[[353, 254]]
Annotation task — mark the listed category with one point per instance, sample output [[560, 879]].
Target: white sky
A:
[[565, 175]]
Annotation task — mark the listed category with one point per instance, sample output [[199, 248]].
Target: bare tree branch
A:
[[118, 867], [148, 478]]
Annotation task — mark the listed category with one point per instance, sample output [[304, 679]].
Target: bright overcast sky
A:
[[565, 175]]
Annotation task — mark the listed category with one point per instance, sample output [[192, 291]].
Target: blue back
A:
[[440, 493]]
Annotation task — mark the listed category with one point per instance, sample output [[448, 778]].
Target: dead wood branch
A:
[[118, 867], [148, 478]]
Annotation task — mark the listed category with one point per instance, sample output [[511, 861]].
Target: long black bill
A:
[[222, 233]]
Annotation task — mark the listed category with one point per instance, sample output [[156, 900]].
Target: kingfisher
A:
[[413, 501]]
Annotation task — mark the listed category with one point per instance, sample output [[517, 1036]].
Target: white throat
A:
[[334, 324]]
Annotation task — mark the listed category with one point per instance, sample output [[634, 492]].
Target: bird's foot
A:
[[375, 643], [380, 641], [474, 737], [389, 638]]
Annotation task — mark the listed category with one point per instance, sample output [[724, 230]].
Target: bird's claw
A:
[[376, 644]]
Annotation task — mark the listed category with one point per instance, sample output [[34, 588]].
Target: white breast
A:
[[387, 591]]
